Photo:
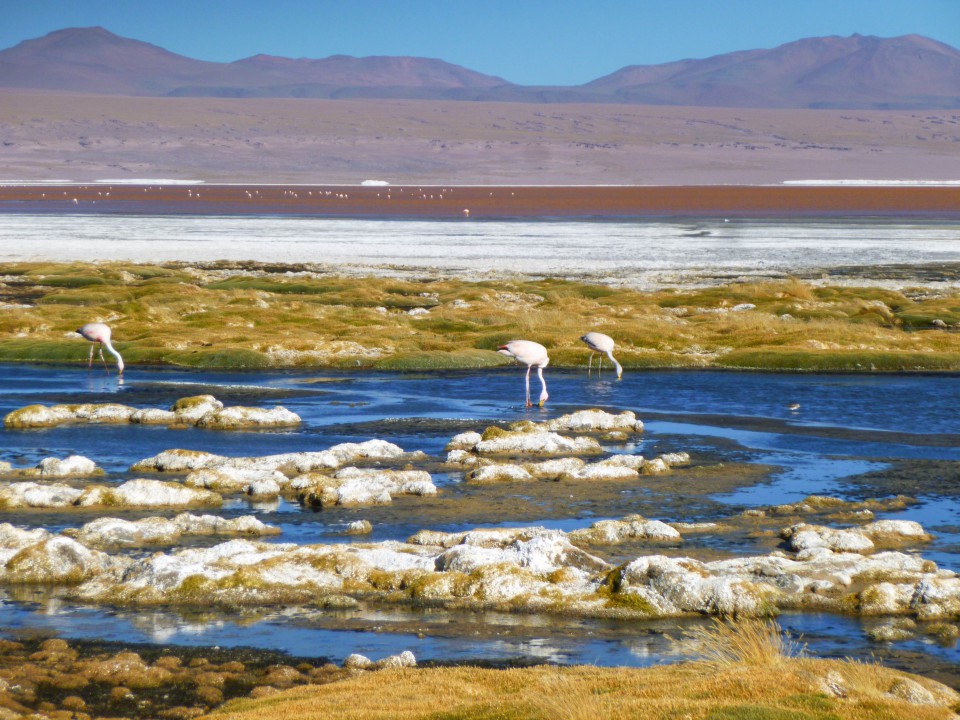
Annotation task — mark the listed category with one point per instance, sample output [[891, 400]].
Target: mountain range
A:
[[867, 72]]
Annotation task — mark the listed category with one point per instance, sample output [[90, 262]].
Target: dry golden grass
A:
[[218, 317], [749, 674]]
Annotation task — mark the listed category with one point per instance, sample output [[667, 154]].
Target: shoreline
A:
[[472, 202]]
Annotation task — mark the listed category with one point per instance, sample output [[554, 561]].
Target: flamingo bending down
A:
[[532, 355], [598, 342], [100, 333]]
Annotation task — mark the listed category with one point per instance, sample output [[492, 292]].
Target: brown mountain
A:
[[95, 60], [864, 72], [831, 72]]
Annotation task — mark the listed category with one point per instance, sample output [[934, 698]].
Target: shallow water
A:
[[642, 253], [845, 426]]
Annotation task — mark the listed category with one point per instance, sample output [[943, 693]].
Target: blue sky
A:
[[531, 42]]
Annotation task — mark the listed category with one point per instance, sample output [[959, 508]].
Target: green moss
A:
[[456, 360]]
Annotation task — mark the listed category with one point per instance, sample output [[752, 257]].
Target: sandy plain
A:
[[83, 138]]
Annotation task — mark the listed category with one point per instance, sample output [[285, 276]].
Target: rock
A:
[[913, 692], [499, 473], [356, 661], [602, 471], [153, 416], [895, 531], [227, 480], [363, 486], [236, 418], [55, 560], [292, 463], [71, 466], [594, 421], [502, 442], [264, 488], [404, 659], [190, 410], [31, 494], [893, 631], [657, 466], [804, 537], [463, 441], [463, 458], [554, 469], [36, 416], [359, 527], [675, 459], [634, 462], [157, 531], [610, 532], [147, 493]]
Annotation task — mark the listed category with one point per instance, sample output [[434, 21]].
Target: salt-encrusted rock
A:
[[591, 421], [356, 661], [190, 410], [895, 531], [404, 659], [634, 462], [228, 480], [538, 550], [70, 466], [499, 473], [147, 493], [153, 416], [913, 692], [31, 494], [676, 459], [863, 539], [290, 463], [603, 472], [805, 537], [682, 585], [554, 469], [363, 486], [631, 527], [501, 442], [657, 466], [238, 417], [463, 458], [359, 527], [463, 441], [157, 531], [201, 410], [55, 560], [265, 487]]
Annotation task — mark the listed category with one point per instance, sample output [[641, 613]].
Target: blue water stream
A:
[[845, 425]]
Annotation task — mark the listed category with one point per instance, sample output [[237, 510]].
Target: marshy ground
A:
[[251, 315]]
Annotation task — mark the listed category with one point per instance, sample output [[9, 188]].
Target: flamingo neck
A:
[[543, 392], [615, 363], [109, 347]]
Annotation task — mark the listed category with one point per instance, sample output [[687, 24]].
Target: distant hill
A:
[[830, 72]]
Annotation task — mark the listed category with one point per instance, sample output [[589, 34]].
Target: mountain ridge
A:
[[859, 71]]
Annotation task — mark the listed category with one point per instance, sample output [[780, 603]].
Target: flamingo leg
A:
[[599, 362], [90, 360], [103, 358], [529, 404], [590, 363]]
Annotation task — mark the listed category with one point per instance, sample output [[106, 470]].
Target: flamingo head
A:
[[543, 397]]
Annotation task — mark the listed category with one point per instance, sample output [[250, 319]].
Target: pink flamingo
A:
[[598, 342], [532, 355], [100, 333]]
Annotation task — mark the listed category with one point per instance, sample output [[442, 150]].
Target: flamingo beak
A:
[[540, 404]]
